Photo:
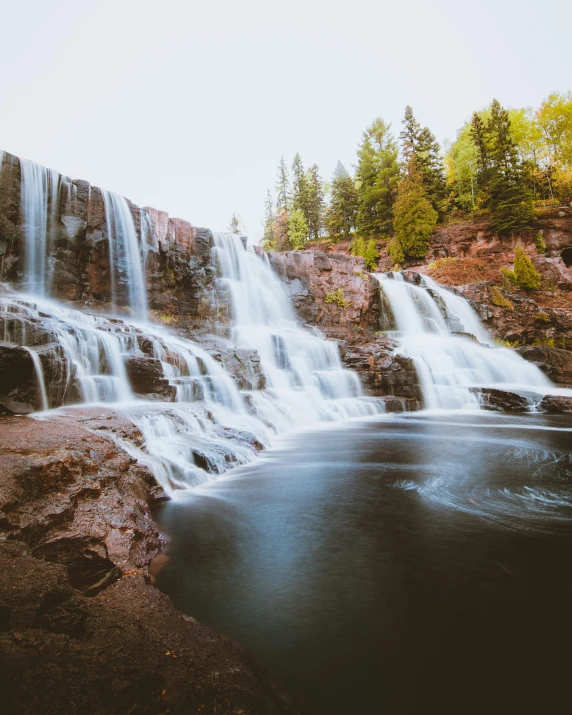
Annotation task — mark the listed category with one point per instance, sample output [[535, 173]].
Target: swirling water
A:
[[406, 564]]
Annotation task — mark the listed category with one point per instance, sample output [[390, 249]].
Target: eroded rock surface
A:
[[81, 630]]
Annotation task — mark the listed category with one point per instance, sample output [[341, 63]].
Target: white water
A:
[[38, 203], [126, 259], [448, 365], [304, 372]]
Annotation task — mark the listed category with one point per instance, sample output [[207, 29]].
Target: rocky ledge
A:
[[82, 630]]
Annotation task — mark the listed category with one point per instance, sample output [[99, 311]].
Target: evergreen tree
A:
[[503, 186], [414, 217], [377, 176], [409, 135], [234, 226], [300, 187], [282, 187], [315, 209], [341, 214], [525, 274], [421, 145], [297, 229], [269, 240]]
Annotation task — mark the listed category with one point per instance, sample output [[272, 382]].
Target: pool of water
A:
[[402, 564]]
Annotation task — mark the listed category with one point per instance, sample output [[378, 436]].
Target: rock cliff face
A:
[[179, 272]]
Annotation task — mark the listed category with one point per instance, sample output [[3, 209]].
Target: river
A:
[[399, 564]]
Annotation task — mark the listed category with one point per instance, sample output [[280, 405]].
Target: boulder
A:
[[556, 404], [146, 377], [556, 363], [505, 400], [19, 386]]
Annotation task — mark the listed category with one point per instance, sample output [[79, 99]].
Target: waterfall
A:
[[38, 201], [434, 328], [304, 372], [126, 262]]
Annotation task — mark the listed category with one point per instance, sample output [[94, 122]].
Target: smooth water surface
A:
[[405, 564]]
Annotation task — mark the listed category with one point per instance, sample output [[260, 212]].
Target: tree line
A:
[[501, 164]]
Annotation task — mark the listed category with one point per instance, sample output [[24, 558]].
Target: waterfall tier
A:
[[453, 353]]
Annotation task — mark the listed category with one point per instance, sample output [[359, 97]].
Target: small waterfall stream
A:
[[434, 328]]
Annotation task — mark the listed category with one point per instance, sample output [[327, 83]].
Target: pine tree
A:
[[414, 217], [234, 226], [341, 214], [503, 186], [300, 187], [409, 135], [282, 187], [269, 240], [421, 145], [315, 212], [377, 178]]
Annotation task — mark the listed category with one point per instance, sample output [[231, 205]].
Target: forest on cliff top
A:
[[507, 165]]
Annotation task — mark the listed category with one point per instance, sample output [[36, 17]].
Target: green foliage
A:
[[524, 271], [297, 229], [315, 211], [341, 215], [508, 275], [282, 187], [371, 255], [234, 226], [377, 178], [337, 297], [508, 343], [542, 318], [367, 251], [501, 181], [500, 300], [544, 342], [269, 239], [420, 145], [395, 252], [539, 242], [414, 217]]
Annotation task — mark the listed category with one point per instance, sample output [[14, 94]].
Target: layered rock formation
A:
[[178, 266], [81, 629]]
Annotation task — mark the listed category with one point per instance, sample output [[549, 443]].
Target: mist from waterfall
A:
[[434, 328]]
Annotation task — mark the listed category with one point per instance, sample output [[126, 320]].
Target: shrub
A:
[[337, 297], [371, 255], [539, 242], [500, 300], [509, 276], [508, 343], [395, 252], [542, 318], [544, 342], [524, 271]]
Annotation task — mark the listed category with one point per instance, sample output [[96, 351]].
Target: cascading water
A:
[[125, 257], [39, 198], [304, 372], [209, 425], [427, 318]]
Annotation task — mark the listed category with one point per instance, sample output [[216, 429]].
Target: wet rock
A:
[[126, 650], [556, 363], [505, 400], [19, 389], [556, 404], [146, 377]]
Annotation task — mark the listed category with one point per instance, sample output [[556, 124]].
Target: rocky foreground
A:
[[82, 629]]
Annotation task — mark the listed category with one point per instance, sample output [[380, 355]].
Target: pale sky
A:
[[187, 106]]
